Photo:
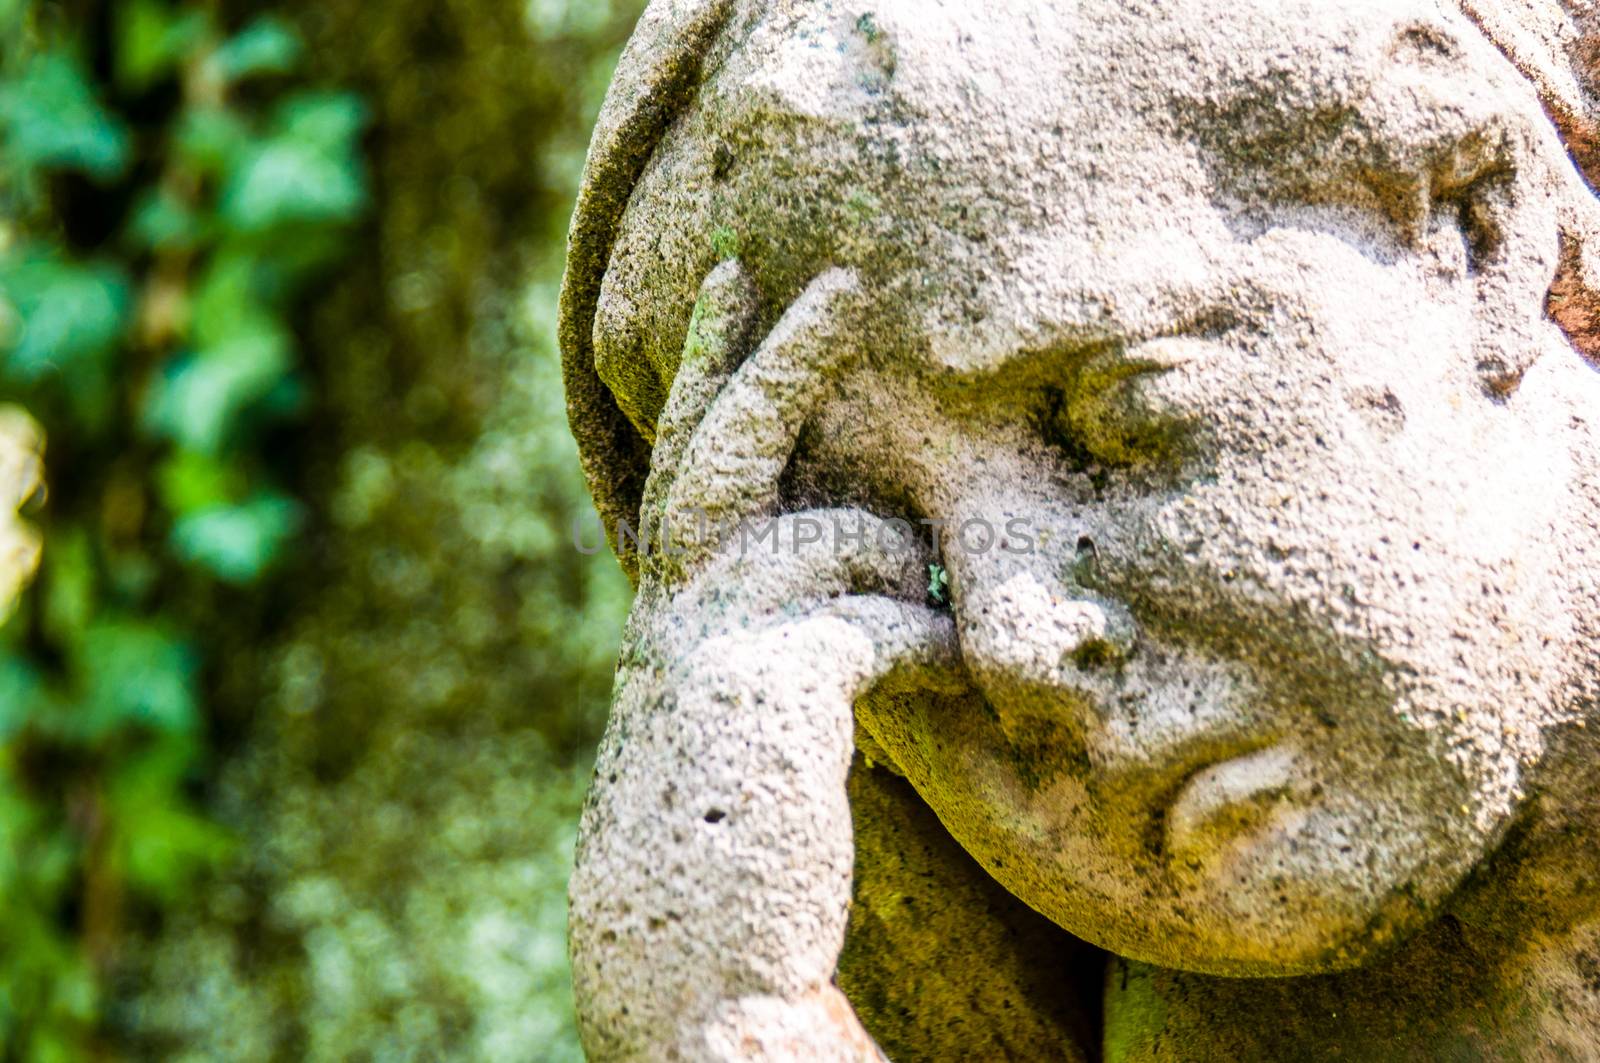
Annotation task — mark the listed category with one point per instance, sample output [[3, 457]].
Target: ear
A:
[[658, 74]]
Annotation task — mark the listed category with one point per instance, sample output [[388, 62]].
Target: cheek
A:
[[1351, 456], [1365, 487], [1418, 547]]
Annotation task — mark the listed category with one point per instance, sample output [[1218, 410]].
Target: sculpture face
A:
[[1331, 634], [1249, 341]]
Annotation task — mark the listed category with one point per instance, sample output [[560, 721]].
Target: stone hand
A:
[[714, 860]]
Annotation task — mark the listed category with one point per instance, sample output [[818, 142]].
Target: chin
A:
[[1266, 943], [1301, 895], [1262, 936]]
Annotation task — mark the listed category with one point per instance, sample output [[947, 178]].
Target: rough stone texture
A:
[[1233, 339], [19, 479]]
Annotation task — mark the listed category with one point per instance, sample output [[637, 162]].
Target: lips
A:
[[1225, 802]]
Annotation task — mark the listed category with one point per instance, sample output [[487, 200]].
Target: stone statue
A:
[[1114, 494], [20, 478]]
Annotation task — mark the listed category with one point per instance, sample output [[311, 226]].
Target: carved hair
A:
[[658, 75]]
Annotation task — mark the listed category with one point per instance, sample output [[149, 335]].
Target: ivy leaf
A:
[[62, 313], [152, 39], [70, 594], [266, 46], [226, 304], [307, 171], [51, 118], [237, 543], [211, 139], [135, 673], [201, 397], [191, 481], [161, 844], [327, 121], [20, 691], [164, 222]]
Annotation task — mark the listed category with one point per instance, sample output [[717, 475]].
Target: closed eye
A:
[[1126, 408]]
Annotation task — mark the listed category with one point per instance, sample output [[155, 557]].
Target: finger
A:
[[719, 334], [905, 636], [740, 449], [853, 566], [790, 562]]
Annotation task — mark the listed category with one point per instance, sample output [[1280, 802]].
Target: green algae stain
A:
[[1135, 1012], [725, 242]]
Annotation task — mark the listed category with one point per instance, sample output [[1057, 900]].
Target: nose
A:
[[1023, 615]]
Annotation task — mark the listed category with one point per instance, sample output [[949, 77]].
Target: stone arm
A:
[[712, 887]]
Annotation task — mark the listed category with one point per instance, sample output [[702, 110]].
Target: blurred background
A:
[[295, 714]]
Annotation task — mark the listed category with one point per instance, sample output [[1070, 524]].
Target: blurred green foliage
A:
[[413, 732], [295, 722], [167, 192]]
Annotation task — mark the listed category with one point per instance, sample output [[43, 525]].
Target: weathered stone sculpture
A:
[[1224, 366]]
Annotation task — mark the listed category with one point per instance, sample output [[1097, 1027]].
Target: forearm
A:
[[713, 881]]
